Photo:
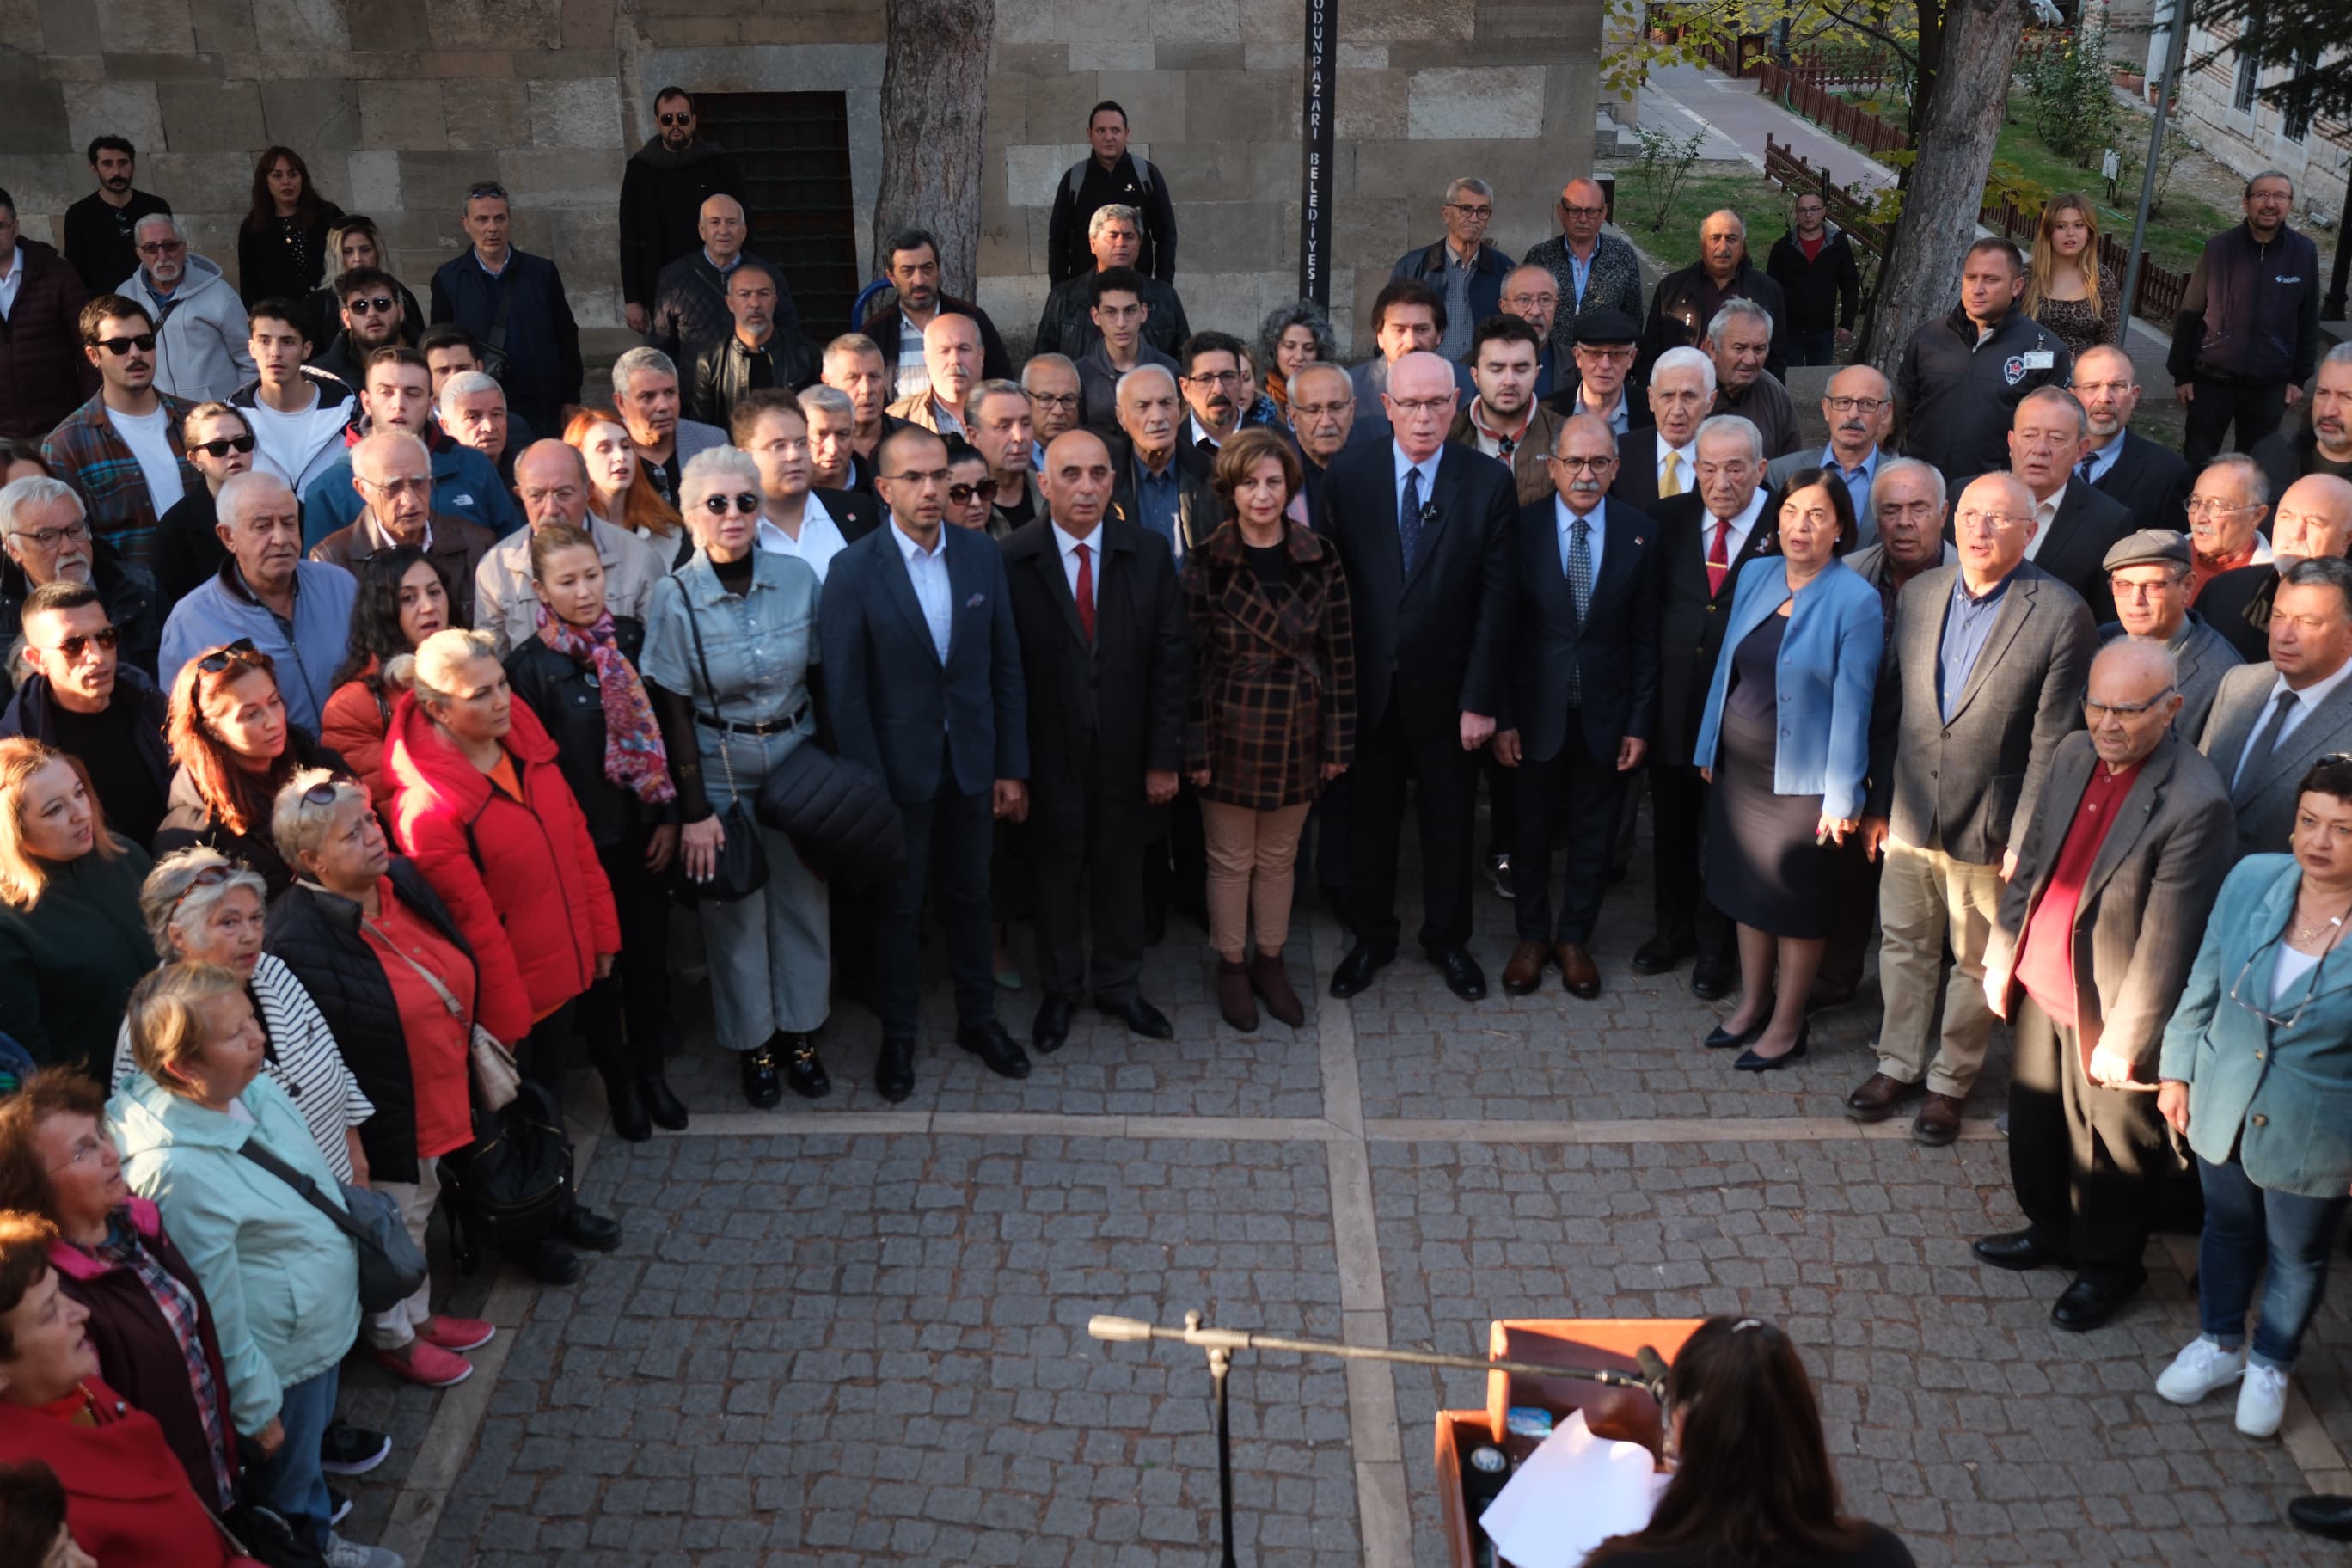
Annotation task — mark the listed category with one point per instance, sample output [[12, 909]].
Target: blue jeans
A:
[[2245, 1224], [291, 1480]]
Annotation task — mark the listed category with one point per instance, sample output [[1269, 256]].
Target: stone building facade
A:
[[397, 108]]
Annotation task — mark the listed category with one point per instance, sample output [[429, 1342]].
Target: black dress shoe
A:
[[1662, 953], [763, 1085], [894, 1070], [584, 1228], [1356, 970], [1463, 975], [626, 1102], [1713, 981], [2084, 1306], [804, 1069], [1051, 1031], [1140, 1018], [2323, 1513], [666, 1109], [549, 1262], [1722, 1039], [996, 1049], [1750, 1062], [2017, 1249]]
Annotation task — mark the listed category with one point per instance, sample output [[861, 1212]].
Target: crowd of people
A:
[[381, 699]]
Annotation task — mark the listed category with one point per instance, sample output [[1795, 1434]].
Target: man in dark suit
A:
[[795, 517], [1424, 534], [923, 668], [2314, 522], [2272, 721], [2075, 526], [1101, 626], [1578, 703], [1656, 461], [1984, 678], [2152, 481], [1705, 538]]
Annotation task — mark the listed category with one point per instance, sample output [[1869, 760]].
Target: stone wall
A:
[[397, 108]]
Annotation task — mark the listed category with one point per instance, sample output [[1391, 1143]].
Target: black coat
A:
[[2153, 483], [1690, 619], [189, 821], [1067, 327], [317, 934], [1637, 469], [542, 341], [690, 313], [855, 512], [2285, 455], [721, 377], [2237, 603], [1821, 293], [662, 194], [1198, 510], [2087, 526], [567, 701], [1614, 650], [1436, 642], [884, 321], [1100, 715], [266, 265], [1956, 399], [188, 552], [1679, 314], [97, 238], [1131, 181], [31, 714]]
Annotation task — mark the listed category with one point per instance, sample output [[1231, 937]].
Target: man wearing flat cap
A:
[[2148, 572], [1604, 347]]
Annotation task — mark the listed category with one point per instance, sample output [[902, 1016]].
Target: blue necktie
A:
[[1408, 518], [1579, 589]]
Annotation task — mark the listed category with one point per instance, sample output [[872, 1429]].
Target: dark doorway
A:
[[794, 148]]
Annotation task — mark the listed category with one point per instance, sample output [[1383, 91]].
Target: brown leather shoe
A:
[[1233, 999], [1525, 972], [1938, 1122], [1268, 978], [1879, 1095], [1577, 968]]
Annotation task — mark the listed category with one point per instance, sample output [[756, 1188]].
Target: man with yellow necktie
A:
[[1658, 460]]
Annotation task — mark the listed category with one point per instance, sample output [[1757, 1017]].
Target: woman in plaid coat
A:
[[1273, 714]]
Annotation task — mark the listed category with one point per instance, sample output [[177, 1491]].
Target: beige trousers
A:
[[1251, 857], [1927, 898]]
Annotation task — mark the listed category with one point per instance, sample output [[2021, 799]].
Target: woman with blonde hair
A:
[[2067, 290], [621, 492]]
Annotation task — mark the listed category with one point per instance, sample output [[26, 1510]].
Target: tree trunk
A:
[[1922, 272], [934, 105]]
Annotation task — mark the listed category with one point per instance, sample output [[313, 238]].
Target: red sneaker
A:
[[426, 1365], [457, 1333]]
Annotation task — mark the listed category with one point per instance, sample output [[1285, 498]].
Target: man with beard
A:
[[759, 354], [691, 312], [1858, 406], [372, 317], [79, 695], [1212, 375], [663, 195], [2323, 446], [100, 240], [916, 301], [1504, 420], [201, 329]]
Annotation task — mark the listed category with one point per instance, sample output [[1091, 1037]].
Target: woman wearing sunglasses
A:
[[730, 643], [188, 550], [580, 676], [2256, 1073], [403, 600], [621, 492], [235, 748], [972, 493]]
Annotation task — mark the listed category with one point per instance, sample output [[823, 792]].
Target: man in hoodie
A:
[[662, 194], [398, 396], [200, 325], [298, 414], [373, 317], [1814, 264]]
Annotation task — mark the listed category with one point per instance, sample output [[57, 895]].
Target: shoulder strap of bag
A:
[[694, 624], [498, 338], [431, 979], [308, 1190]]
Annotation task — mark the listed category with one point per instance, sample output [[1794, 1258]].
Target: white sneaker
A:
[[341, 1554], [2262, 1401], [2202, 1367]]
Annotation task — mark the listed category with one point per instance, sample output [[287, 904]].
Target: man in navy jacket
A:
[[513, 303]]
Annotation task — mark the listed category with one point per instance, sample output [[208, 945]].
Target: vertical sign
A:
[[1314, 153]]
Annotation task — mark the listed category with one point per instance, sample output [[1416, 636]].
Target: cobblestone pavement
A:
[[855, 1333]]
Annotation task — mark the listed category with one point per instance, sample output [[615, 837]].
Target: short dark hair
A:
[[32, 1512], [1112, 105], [395, 353], [105, 308], [110, 144], [752, 406], [962, 451], [448, 335], [360, 280], [2322, 572], [2008, 248], [674, 90], [24, 1242], [753, 264], [58, 593], [904, 433], [8, 201], [1210, 342], [278, 309], [1505, 329], [2330, 776], [910, 239], [1115, 281], [1407, 292], [1841, 502]]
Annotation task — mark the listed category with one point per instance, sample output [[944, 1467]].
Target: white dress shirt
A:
[[927, 570], [12, 279], [2305, 701], [1195, 433], [820, 539], [2044, 513], [1742, 526], [1689, 456], [1069, 549]]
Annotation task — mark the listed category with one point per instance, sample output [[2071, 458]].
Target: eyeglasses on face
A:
[[1218, 378], [2094, 711], [1581, 465], [74, 646], [144, 342], [50, 538], [1856, 405], [1583, 212], [241, 651], [2209, 506], [961, 494], [1469, 210], [400, 485], [1058, 401], [223, 446], [918, 475], [720, 506]]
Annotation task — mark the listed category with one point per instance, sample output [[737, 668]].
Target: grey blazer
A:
[[2143, 907], [693, 437], [2266, 797], [1958, 785], [2203, 657]]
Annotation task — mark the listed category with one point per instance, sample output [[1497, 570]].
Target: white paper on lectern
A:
[[1571, 1494]]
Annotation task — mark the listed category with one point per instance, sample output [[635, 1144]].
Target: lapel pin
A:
[[975, 600]]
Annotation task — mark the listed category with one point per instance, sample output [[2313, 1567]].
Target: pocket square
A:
[[975, 602]]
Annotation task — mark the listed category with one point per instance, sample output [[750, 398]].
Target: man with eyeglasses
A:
[[46, 539], [98, 232], [121, 450], [42, 373], [2225, 511], [392, 475], [2314, 522], [297, 413], [2117, 871], [1051, 384], [935, 704], [1858, 406], [2150, 479], [665, 191], [996, 416], [1814, 264], [373, 317], [1461, 268], [2149, 576], [1529, 293], [551, 482], [759, 352], [397, 395], [2248, 332], [1504, 420], [1115, 233], [1739, 341], [1605, 345], [2073, 525], [200, 323], [513, 303], [1212, 379], [1120, 312], [219, 442], [76, 694], [797, 517], [1985, 670], [297, 612], [1593, 270], [1686, 303], [2272, 721]]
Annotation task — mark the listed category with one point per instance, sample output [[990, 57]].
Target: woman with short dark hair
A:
[[403, 600]]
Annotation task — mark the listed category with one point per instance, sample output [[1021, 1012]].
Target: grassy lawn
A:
[[1708, 187]]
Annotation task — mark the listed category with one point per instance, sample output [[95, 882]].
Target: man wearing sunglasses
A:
[[48, 540], [200, 323], [2096, 928], [297, 413], [75, 695], [120, 451], [664, 194], [374, 316]]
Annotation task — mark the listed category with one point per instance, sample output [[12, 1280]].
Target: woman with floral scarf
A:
[[579, 674]]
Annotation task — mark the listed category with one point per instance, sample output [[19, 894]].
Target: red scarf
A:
[[634, 758]]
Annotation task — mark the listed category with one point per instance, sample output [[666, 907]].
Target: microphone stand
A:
[[1220, 1343]]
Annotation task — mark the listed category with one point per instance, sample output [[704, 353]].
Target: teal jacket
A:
[[284, 1283], [2281, 1095]]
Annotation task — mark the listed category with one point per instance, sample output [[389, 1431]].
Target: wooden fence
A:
[[1867, 70], [1809, 98]]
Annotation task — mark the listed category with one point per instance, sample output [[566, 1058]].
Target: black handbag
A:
[[742, 867], [839, 815], [513, 1185], [392, 1266]]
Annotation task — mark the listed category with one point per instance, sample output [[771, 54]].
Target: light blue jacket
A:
[[306, 651], [1828, 668], [283, 1282], [2283, 1095]]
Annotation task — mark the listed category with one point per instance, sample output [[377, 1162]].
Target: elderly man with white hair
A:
[[46, 539], [552, 483], [392, 473], [200, 348], [1685, 301], [297, 612], [953, 355], [646, 392], [1739, 340], [1659, 460], [1114, 235], [472, 411]]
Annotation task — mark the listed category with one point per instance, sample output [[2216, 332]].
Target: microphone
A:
[[1118, 1330], [1654, 1367]]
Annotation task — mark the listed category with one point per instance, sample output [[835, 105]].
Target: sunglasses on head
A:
[[985, 490], [241, 651], [208, 877], [325, 794], [360, 305], [144, 342], [224, 446], [720, 506], [74, 646]]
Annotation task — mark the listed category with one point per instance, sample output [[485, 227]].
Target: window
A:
[[2242, 98], [793, 150], [2297, 122]]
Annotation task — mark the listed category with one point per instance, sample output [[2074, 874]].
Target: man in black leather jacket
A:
[[759, 352]]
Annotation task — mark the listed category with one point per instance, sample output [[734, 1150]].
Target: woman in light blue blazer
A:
[[2256, 1073], [1785, 741]]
